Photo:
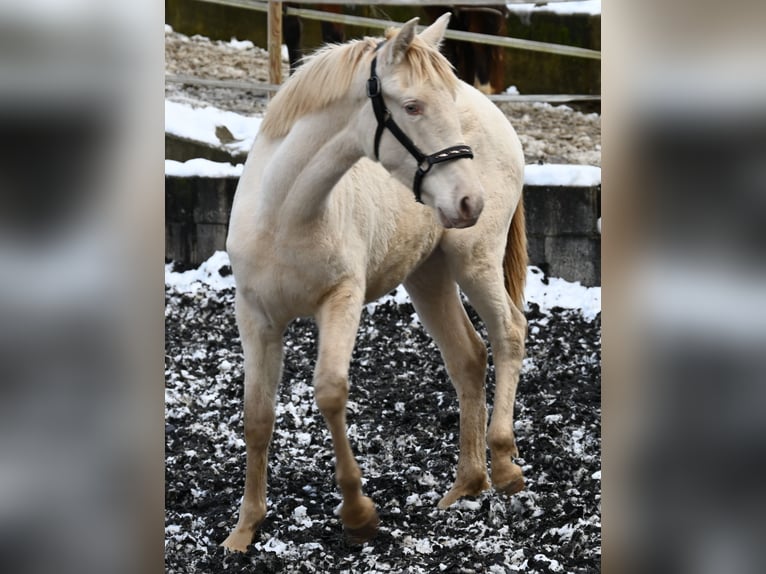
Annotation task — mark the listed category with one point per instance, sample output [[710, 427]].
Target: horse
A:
[[324, 220]]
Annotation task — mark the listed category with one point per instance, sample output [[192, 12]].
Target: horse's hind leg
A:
[[338, 321], [436, 299], [507, 328], [262, 346]]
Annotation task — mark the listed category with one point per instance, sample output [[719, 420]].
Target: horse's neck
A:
[[310, 160]]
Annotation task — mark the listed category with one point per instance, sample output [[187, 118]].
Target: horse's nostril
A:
[[466, 207]]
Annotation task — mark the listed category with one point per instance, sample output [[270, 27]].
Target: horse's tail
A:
[[515, 262]]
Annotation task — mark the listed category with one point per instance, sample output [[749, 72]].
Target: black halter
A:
[[385, 120]]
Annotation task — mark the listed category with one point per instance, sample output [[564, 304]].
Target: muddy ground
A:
[[403, 426]]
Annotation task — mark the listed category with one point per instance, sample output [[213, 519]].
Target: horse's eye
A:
[[412, 108]]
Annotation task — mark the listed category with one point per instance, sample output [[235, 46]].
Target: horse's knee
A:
[[331, 393], [259, 425]]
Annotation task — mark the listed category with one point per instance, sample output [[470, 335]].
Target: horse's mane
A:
[[326, 75]]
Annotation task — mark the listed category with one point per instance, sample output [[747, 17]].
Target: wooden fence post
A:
[[275, 42]]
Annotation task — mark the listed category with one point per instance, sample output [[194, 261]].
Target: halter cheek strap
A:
[[386, 120]]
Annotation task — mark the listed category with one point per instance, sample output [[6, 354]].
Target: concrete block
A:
[[197, 213], [562, 210], [574, 258]]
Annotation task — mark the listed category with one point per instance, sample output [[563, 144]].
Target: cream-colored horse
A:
[[319, 227]]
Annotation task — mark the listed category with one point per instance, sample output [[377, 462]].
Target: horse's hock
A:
[[562, 225]]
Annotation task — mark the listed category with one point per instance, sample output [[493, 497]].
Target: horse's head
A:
[[418, 138]]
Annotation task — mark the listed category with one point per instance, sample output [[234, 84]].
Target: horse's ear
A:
[[398, 46], [434, 34]]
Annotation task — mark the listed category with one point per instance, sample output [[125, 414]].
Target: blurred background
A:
[[81, 240], [685, 298], [80, 286]]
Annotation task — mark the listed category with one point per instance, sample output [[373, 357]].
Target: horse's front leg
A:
[[262, 346], [338, 321]]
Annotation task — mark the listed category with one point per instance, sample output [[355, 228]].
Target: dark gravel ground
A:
[[403, 424]]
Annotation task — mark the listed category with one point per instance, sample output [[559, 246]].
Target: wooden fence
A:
[[275, 11]]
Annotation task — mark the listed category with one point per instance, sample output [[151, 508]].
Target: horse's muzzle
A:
[[456, 223]]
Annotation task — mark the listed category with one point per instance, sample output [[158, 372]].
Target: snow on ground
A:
[[203, 123], [534, 174], [206, 274], [201, 167], [546, 293], [562, 174], [403, 423], [592, 7]]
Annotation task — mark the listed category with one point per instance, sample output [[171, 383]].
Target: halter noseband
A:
[[386, 120]]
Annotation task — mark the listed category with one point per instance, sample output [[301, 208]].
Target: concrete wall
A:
[[561, 225], [562, 231], [196, 217]]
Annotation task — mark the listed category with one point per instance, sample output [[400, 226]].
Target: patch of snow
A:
[[528, 365], [413, 500], [513, 90], [562, 175], [561, 293], [303, 438], [564, 533], [592, 7], [275, 545], [206, 274], [201, 123], [201, 167], [241, 44], [466, 504], [546, 293]]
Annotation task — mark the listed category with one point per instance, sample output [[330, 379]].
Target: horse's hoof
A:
[[512, 487], [463, 488], [238, 541], [364, 533], [508, 478]]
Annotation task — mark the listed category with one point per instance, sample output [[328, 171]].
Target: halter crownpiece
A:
[[386, 120]]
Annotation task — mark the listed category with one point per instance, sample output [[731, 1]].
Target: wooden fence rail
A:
[[271, 88], [275, 11]]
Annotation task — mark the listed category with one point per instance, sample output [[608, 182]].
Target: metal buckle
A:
[[373, 87]]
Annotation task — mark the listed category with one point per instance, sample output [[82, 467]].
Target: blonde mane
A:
[[326, 76]]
